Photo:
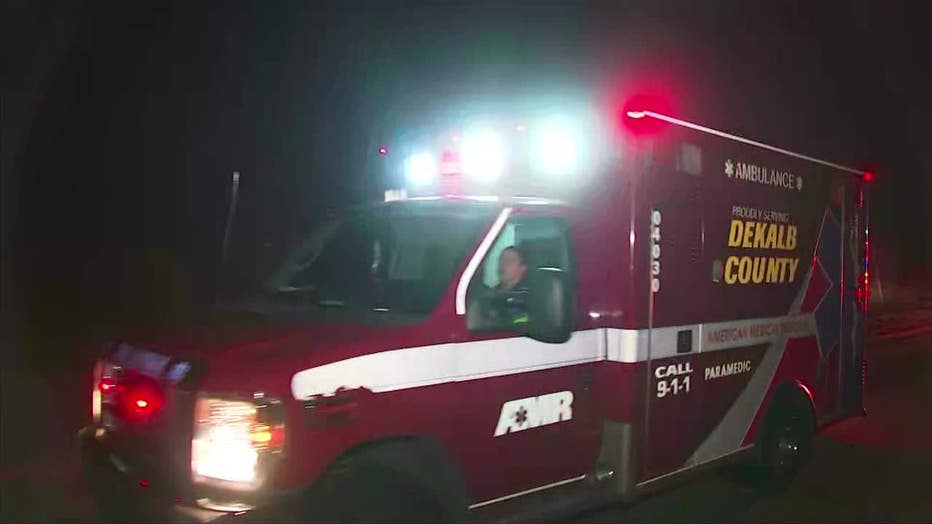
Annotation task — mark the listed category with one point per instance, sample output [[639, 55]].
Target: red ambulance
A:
[[553, 313]]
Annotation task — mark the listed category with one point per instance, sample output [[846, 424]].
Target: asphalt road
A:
[[872, 469]]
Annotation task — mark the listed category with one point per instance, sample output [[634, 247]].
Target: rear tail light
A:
[[140, 398], [233, 440], [128, 394]]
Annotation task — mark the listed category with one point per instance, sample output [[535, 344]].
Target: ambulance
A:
[[677, 298]]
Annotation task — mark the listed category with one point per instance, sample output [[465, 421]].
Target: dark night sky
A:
[[129, 117]]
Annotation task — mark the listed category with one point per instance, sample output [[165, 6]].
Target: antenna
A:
[[231, 213]]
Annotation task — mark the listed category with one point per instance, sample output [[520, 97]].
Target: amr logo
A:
[[527, 413]]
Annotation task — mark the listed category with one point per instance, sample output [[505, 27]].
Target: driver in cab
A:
[[508, 301]]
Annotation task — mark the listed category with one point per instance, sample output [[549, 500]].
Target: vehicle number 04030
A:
[[655, 220]]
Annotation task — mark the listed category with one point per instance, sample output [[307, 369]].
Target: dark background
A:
[[122, 122]]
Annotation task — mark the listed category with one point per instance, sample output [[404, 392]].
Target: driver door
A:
[[539, 421]]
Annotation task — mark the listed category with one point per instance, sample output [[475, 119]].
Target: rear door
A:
[[855, 298]]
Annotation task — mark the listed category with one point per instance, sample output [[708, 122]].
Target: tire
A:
[[785, 444], [372, 493]]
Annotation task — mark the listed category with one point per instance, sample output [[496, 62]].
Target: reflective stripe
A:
[[456, 362], [439, 364], [630, 345]]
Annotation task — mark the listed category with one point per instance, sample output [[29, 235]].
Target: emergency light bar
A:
[[483, 154], [543, 153], [420, 169]]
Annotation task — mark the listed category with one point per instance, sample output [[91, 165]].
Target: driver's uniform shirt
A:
[[511, 305]]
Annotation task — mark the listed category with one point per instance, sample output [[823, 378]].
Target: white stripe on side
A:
[[456, 362], [442, 363], [630, 345], [627, 345], [463, 285]]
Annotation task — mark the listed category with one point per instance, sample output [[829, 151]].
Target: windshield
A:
[[392, 258]]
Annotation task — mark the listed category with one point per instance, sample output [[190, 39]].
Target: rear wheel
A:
[[785, 444]]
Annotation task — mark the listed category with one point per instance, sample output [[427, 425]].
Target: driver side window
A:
[[498, 294]]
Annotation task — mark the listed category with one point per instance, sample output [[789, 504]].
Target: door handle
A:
[[586, 378]]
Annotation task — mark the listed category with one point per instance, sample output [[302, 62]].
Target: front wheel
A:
[[373, 494], [786, 443]]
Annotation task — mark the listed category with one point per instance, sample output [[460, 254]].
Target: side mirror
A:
[[550, 311]]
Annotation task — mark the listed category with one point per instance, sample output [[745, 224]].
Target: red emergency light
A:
[[139, 397], [868, 177], [640, 122], [141, 404], [638, 111]]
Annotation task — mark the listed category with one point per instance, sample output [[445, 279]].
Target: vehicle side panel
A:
[[783, 316]]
